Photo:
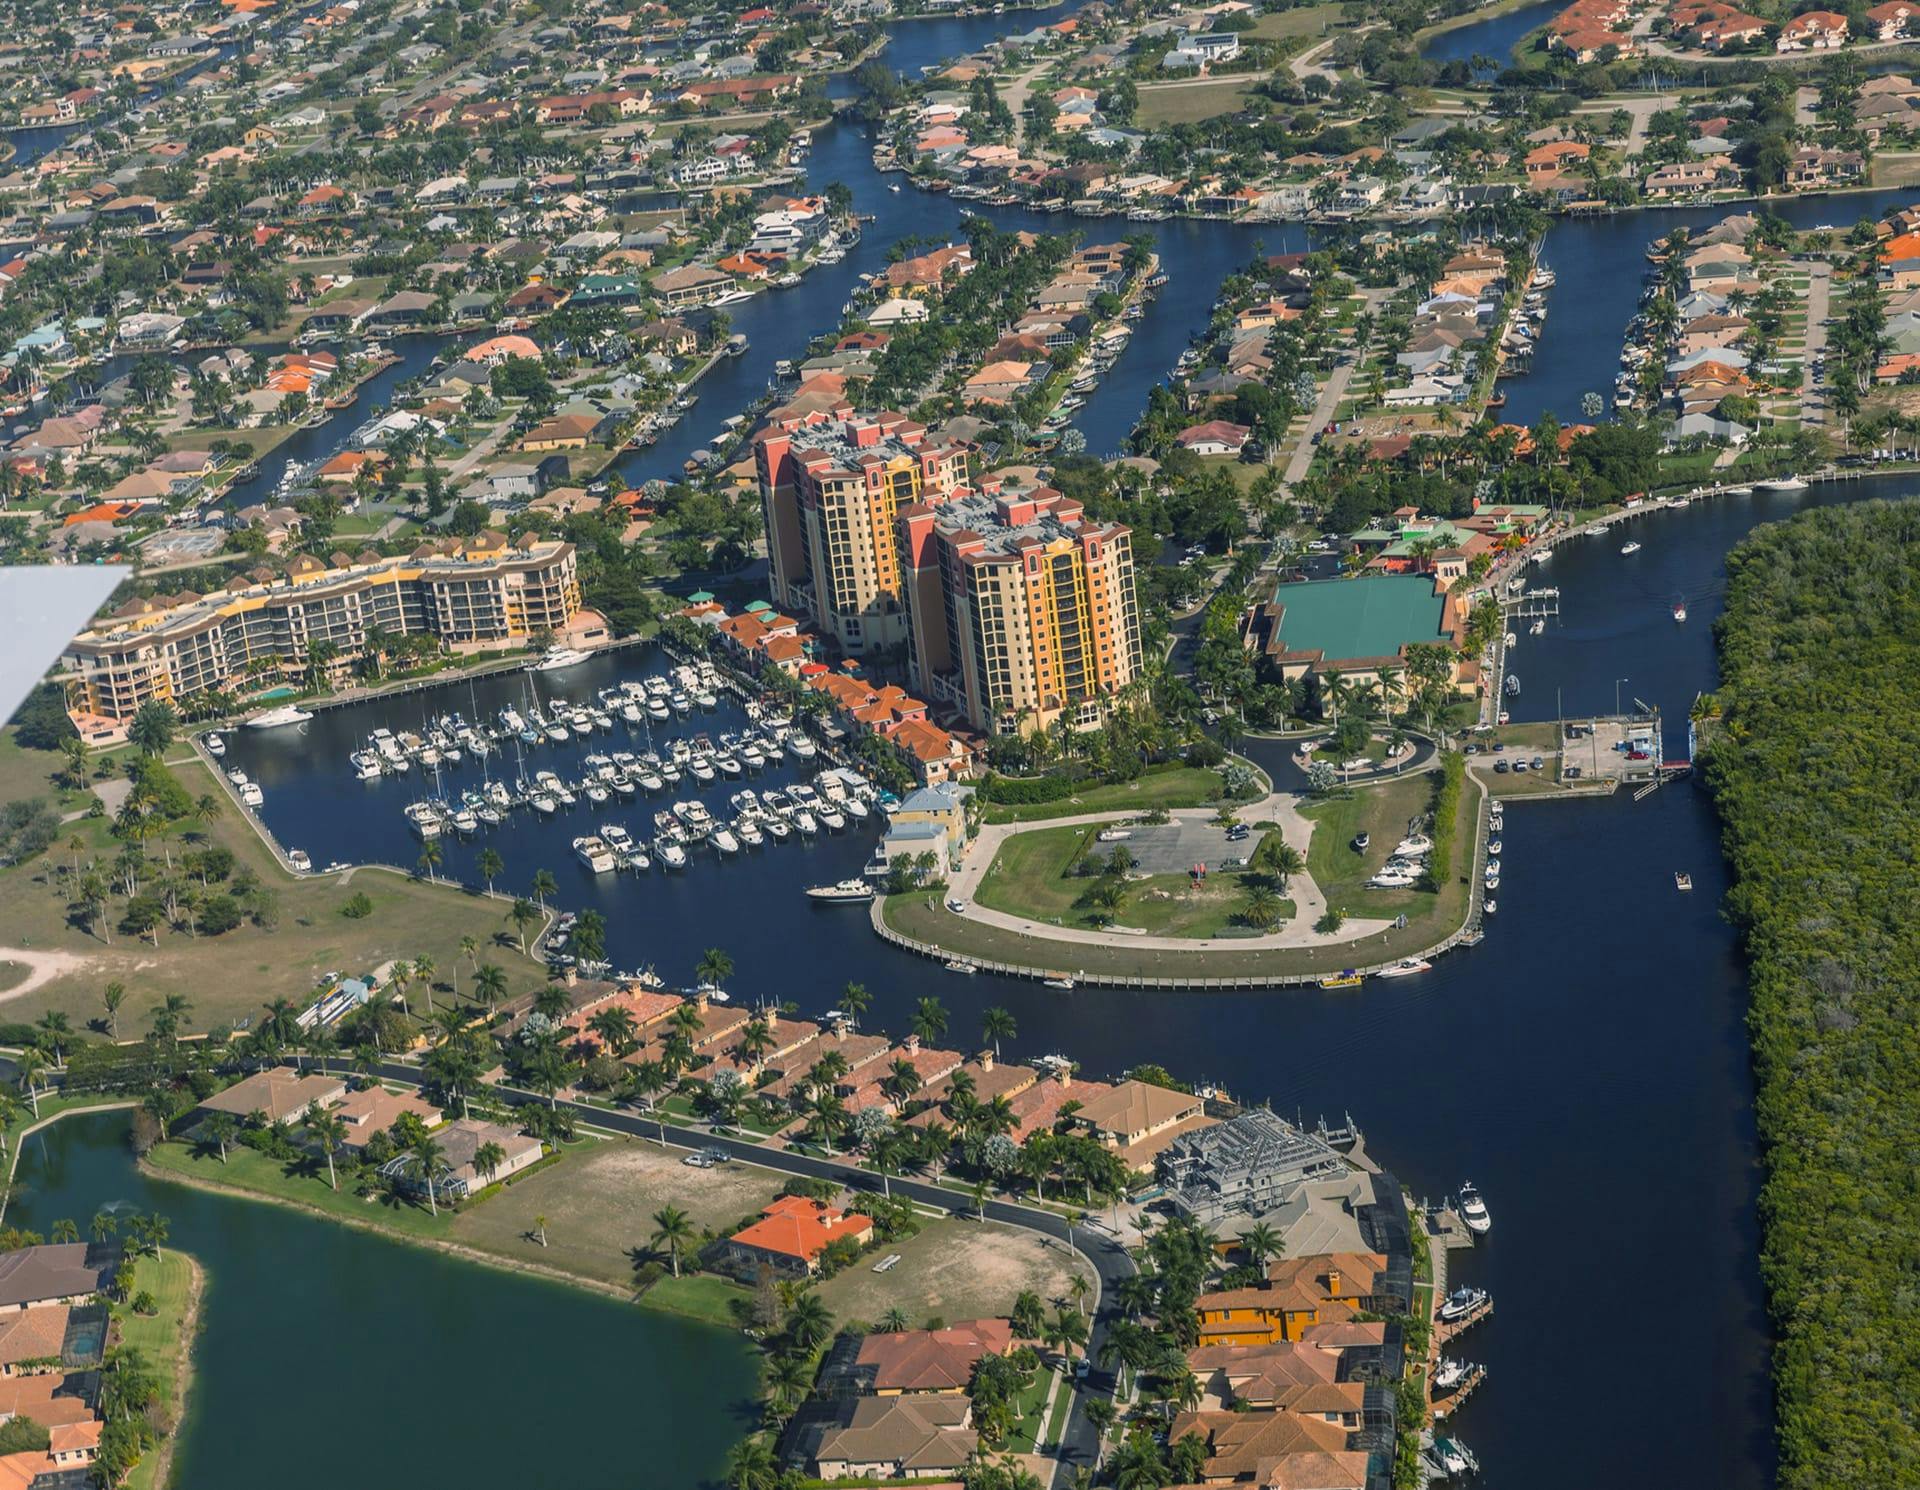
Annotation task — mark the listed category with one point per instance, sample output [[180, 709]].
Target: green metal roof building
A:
[[1355, 620]]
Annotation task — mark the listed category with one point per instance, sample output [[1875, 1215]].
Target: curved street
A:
[[1079, 1443]]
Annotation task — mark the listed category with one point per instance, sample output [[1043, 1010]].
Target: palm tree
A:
[[1262, 907], [544, 884], [27, 1069], [673, 1234], [113, 996], [854, 1002], [489, 864], [430, 859], [487, 1160], [469, 949], [489, 985], [930, 1020], [893, 1322], [423, 1159], [540, 1230], [649, 1080], [330, 1132], [714, 968], [1067, 1333], [808, 1322], [998, 1024], [523, 915], [1260, 1241], [56, 1028], [751, 1466], [220, 1129]]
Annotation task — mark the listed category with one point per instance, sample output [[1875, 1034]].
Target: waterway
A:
[[323, 1348], [1492, 38], [1602, 1102]]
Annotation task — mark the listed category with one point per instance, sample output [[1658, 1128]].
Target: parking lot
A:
[[1176, 847]]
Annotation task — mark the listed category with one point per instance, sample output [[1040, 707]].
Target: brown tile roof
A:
[[33, 1334], [931, 1360]]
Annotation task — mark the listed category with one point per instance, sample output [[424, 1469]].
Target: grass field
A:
[[1341, 871], [162, 1339], [1032, 877], [235, 974], [952, 1270], [600, 1206], [1305, 20], [1188, 103], [1177, 786]]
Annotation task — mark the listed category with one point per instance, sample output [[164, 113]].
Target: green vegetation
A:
[[1067, 876], [1164, 786], [161, 1338], [1446, 810], [1813, 775]]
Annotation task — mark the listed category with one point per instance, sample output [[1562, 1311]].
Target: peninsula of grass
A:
[[1165, 786], [164, 1339], [1385, 812], [231, 974], [1033, 877]]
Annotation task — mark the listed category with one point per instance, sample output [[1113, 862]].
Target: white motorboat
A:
[[1782, 484], [1489, 905], [1455, 1458], [544, 804], [672, 855], [594, 853], [1461, 1303], [252, 795], [844, 891], [1058, 982], [425, 818], [466, 822], [1680, 610], [1405, 968], [298, 861], [1413, 846], [216, 747], [801, 748], [366, 765], [804, 821], [597, 794], [955, 965], [778, 830], [1630, 547], [1449, 1374], [274, 718], [556, 658], [833, 819], [750, 833], [723, 840], [1473, 1211]]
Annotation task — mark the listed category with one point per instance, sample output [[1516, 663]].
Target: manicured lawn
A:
[[237, 973], [1177, 104], [249, 1169], [1032, 877], [1306, 20], [29, 773], [266, 438], [1175, 786], [160, 1337], [1029, 1428], [699, 1296]]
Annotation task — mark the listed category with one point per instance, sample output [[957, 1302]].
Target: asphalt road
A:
[[1110, 1260]]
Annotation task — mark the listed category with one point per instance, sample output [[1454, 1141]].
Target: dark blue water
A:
[[1493, 38], [1600, 266], [490, 1367], [1603, 1102]]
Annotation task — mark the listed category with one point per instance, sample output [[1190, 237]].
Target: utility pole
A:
[[1616, 695]]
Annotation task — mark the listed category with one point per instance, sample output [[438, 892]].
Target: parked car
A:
[[1539, 763], [1501, 767]]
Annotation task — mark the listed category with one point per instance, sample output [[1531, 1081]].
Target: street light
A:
[[1616, 695]]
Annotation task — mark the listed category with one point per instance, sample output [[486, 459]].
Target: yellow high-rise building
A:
[[1020, 610]]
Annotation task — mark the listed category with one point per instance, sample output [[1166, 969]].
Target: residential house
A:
[[791, 1235], [280, 1094]]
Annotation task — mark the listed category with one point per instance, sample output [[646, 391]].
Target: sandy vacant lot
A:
[[954, 1270], [600, 1202]]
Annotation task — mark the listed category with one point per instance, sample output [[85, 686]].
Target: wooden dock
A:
[[1445, 1329], [1444, 1407]]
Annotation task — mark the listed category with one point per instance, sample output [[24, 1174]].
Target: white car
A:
[[958, 907]]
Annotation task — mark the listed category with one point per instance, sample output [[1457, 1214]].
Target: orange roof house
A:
[[792, 1233]]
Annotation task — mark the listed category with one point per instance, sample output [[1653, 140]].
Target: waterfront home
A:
[[1249, 1164], [1813, 167], [457, 1176], [1892, 21], [895, 1438], [32, 1336], [278, 1094], [54, 1273], [939, 811], [1281, 1449], [914, 1362], [1297, 1292], [1214, 437], [376, 1109], [791, 1235], [1136, 1119]]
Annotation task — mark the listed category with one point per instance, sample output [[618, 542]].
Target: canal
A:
[[1492, 38], [1602, 1102], [323, 1348]]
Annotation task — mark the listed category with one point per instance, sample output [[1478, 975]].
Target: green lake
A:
[[327, 1352]]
